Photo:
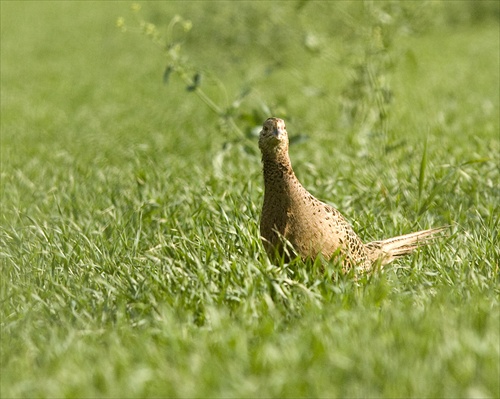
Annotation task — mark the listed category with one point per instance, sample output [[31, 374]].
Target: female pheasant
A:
[[290, 213]]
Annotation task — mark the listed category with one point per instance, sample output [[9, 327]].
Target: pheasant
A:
[[291, 214]]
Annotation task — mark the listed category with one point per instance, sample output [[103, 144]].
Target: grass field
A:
[[131, 264]]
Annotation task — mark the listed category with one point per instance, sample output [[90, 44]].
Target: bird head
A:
[[273, 136]]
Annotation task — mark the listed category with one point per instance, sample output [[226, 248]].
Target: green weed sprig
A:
[[366, 99], [178, 64]]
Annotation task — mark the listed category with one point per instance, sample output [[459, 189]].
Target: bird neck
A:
[[278, 172]]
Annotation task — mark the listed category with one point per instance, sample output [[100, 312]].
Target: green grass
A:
[[131, 264]]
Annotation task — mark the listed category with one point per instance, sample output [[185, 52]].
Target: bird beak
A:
[[278, 132]]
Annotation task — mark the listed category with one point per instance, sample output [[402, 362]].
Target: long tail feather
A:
[[392, 248]]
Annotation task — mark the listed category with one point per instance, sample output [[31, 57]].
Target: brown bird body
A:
[[290, 213]]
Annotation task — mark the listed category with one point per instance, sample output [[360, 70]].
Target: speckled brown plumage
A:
[[290, 213]]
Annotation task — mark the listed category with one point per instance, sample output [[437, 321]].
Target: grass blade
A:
[[421, 177]]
